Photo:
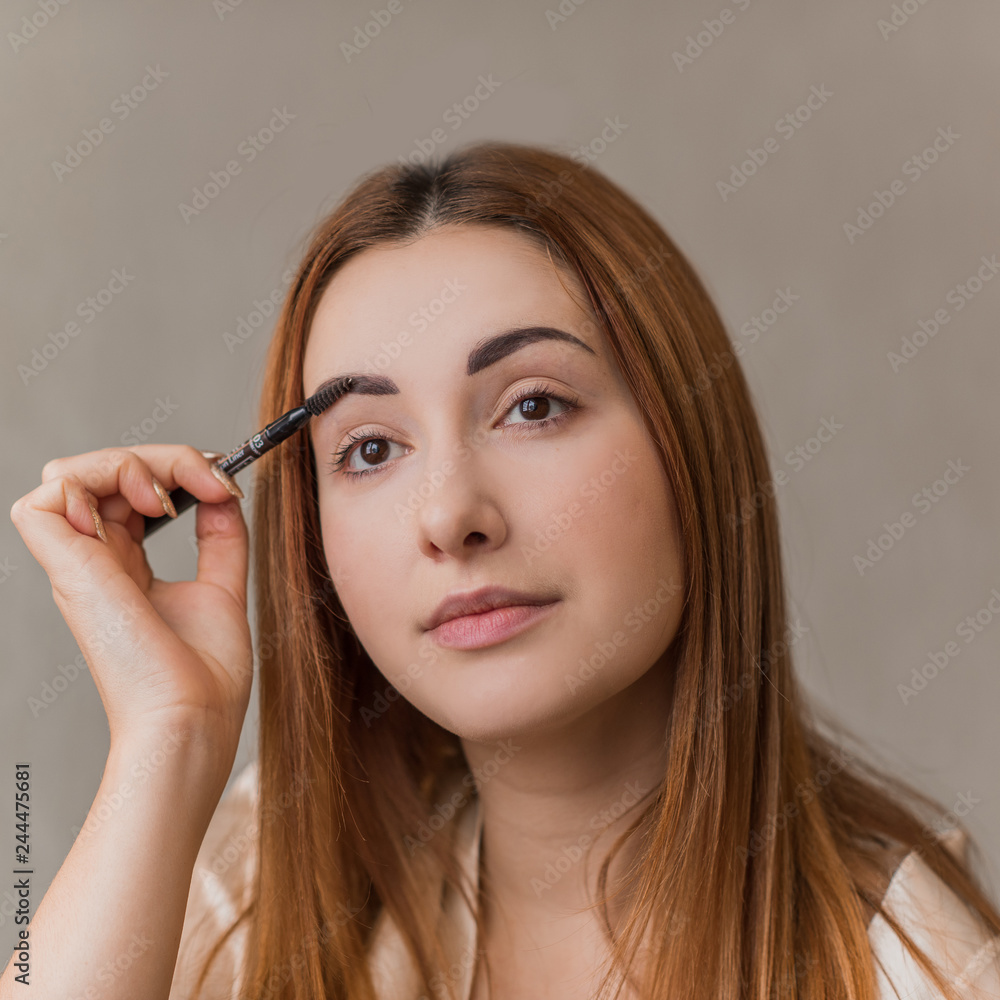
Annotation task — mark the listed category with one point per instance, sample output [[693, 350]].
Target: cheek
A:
[[363, 544], [617, 545]]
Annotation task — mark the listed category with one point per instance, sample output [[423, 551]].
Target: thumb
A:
[[223, 547]]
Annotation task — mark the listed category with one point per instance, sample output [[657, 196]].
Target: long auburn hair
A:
[[770, 841]]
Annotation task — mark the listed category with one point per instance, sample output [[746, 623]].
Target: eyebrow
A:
[[487, 352]]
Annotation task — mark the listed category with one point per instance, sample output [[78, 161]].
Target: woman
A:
[[528, 719]]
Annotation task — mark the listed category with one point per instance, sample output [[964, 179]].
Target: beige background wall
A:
[[206, 76]]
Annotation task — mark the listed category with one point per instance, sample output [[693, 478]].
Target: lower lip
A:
[[489, 627]]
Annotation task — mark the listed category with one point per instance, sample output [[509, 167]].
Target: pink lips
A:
[[486, 616], [487, 628]]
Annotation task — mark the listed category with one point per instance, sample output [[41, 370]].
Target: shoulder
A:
[[220, 887], [941, 925]]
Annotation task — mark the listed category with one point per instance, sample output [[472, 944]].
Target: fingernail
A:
[[168, 504], [226, 481], [213, 455], [98, 523]]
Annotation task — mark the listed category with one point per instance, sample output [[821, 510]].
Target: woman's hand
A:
[[161, 654]]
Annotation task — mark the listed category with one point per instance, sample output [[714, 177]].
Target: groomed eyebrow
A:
[[487, 352]]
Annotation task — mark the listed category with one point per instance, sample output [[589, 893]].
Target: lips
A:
[[473, 602]]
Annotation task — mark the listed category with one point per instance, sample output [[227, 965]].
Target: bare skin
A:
[[173, 665], [584, 693]]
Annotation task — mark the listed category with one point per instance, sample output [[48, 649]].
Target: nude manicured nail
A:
[[213, 456], [168, 505], [226, 481], [98, 523]]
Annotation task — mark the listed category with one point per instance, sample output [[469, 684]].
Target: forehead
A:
[[456, 283]]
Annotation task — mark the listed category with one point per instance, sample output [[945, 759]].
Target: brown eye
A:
[[372, 449], [534, 407]]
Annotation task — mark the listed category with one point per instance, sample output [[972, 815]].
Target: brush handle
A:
[[180, 497], [261, 443], [181, 500]]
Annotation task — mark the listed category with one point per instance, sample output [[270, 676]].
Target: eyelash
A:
[[340, 459]]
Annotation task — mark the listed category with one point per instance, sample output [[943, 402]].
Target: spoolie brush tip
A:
[[327, 396]]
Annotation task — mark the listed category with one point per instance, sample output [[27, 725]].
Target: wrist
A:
[[179, 748]]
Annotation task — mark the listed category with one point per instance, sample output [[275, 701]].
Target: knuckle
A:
[[119, 456], [51, 468], [17, 509], [111, 460]]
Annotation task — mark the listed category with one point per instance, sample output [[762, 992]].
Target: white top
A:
[[930, 912]]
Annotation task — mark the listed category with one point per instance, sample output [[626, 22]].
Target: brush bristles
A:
[[319, 401]]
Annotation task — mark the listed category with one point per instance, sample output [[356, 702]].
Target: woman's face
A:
[[560, 495]]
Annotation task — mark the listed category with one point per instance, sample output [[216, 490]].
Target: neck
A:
[[561, 792]]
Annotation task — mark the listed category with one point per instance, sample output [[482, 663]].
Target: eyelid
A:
[[536, 389]]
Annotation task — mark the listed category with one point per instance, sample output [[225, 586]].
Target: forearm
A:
[[109, 926]]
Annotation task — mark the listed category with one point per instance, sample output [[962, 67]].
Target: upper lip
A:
[[471, 602]]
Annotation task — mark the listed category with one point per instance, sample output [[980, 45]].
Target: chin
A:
[[500, 701]]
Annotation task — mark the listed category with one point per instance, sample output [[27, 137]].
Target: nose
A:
[[458, 510]]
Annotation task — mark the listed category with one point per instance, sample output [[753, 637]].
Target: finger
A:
[[57, 523], [125, 478], [223, 547], [94, 503], [117, 508], [89, 585]]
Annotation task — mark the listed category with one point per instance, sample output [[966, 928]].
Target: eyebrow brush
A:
[[261, 443]]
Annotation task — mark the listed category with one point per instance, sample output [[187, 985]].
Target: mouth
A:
[[488, 598], [488, 628]]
